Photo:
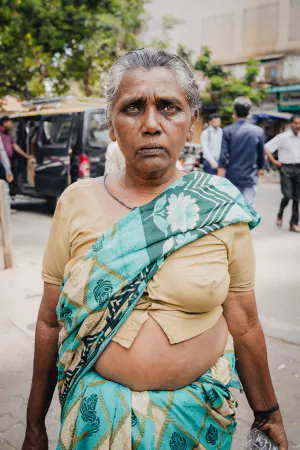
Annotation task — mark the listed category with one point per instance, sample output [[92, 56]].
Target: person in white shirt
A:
[[211, 140], [114, 159], [288, 146]]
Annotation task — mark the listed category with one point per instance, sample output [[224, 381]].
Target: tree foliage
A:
[[185, 53], [223, 87], [59, 40]]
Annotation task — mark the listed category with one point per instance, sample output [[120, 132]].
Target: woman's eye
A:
[[132, 109], [170, 109]]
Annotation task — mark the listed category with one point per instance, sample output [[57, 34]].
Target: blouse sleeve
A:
[[57, 251], [241, 259]]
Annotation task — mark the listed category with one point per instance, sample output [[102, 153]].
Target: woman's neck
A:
[[136, 189], [149, 183]]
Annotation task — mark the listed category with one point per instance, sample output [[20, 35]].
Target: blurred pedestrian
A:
[[10, 145], [242, 152], [181, 162], [288, 146], [211, 140], [114, 159], [5, 167]]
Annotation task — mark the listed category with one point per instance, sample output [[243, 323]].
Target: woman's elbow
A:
[[241, 313], [245, 327]]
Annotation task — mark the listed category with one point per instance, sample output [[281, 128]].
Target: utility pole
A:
[[5, 224]]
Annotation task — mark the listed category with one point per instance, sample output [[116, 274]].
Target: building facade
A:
[[236, 30]]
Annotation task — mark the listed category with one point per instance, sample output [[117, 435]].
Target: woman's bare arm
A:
[[252, 363], [44, 370]]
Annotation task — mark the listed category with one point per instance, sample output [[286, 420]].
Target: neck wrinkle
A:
[[134, 180]]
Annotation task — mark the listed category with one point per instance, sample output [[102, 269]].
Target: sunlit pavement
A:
[[278, 297]]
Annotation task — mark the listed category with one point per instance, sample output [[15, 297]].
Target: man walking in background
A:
[[10, 145], [288, 146], [211, 139], [242, 152]]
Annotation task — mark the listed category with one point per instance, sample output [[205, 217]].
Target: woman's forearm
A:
[[253, 369], [44, 373], [252, 365]]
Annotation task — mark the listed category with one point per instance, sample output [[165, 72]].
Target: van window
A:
[[55, 130], [32, 129], [18, 133], [98, 134], [75, 131], [15, 130]]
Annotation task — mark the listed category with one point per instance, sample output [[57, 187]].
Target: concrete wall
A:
[[233, 29]]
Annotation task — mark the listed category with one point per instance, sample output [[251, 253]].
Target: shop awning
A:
[[271, 115], [286, 88]]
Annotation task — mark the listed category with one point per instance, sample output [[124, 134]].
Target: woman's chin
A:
[[153, 165]]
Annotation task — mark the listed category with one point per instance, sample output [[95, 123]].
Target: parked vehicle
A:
[[67, 140]]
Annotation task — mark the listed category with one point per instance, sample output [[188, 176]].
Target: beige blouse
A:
[[184, 296]]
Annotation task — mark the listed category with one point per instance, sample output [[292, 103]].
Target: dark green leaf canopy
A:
[[60, 40]]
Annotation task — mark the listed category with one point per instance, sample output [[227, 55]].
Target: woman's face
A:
[[151, 119]]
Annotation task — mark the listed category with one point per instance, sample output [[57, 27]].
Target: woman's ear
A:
[[191, 134], [112, 133], [192, 126]]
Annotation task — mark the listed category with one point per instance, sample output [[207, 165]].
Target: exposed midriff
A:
[[153, 363]]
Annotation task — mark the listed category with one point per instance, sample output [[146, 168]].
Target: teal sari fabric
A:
[[111, 416], [100, 292]]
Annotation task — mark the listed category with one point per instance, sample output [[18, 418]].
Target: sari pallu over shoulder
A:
[[100, 292]]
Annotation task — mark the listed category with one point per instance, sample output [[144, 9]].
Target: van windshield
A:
[[98, 134], [56, 130]]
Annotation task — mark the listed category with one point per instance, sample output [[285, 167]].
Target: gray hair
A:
[[148, 59]]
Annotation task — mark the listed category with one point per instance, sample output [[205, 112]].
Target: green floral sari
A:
[[97, 297]]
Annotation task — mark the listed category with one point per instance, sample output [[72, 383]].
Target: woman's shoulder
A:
[[80, 187], [80, 197], [233, 233]]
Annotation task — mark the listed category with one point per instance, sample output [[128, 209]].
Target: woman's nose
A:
[[151, 121]]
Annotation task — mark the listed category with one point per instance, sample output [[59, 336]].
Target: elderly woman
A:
[[157, 273]]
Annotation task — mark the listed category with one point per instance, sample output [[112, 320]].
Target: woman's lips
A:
[[151, 151]]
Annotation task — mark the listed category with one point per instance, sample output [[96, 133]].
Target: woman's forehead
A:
[[144, 82]]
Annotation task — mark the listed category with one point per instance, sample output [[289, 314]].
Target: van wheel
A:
[[52, 202]]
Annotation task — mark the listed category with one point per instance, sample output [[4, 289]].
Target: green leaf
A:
[[160, 204], [161, 223], [168, 245]]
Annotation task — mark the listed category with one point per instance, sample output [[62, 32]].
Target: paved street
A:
[[278, 296]]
